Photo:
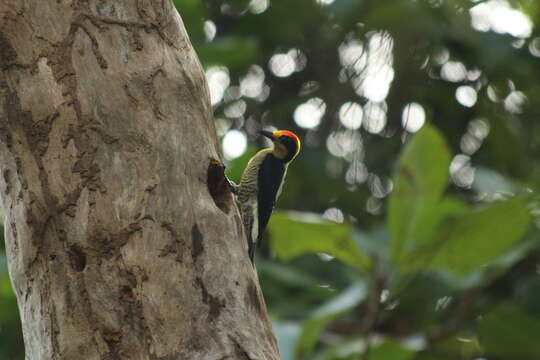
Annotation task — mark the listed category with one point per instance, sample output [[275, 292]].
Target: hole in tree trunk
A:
[[77, 258], [218, 185]]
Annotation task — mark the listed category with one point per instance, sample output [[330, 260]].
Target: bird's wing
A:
[[271, 174]]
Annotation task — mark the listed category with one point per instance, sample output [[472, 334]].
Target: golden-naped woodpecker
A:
[[261, 184]]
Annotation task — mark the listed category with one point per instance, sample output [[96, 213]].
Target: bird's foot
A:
[[233, 186]]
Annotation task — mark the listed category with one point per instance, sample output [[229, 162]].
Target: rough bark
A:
[[123, 241]]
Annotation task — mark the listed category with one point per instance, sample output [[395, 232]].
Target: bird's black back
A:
[[271, 174]]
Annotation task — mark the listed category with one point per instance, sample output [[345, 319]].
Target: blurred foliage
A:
[[11, 343], [292, 238], [402, 244]]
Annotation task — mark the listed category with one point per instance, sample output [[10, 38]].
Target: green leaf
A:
[[311, 331], [445, 233], [314, 326], [295, 234], [508, 333], [461, 345], [422, 255], [390, 350], [419, 182], [355, 349], [472, 240]]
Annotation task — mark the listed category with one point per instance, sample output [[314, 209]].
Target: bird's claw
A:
[[232, 186]]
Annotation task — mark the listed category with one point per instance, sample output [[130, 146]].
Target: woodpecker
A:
[[261, 184]]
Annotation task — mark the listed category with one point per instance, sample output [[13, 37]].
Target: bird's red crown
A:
[[289, 134]]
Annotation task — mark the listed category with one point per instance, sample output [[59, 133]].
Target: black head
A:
[[286, 144]]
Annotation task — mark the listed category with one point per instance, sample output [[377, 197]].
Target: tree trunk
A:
[[123, 241]]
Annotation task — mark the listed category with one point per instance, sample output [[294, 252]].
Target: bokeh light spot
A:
[[370, 68], [236, 109], [379, 72], [413, 117], [379, 187], [352, 56], [461, 172], [350, 115], [479, 128], [357, 173], [514, 102], [499, 16], [252, 84], [441, 56], [300, 59], [324, 2], [218, 81], [474, 74], [469, 144], [282, 65], [376, 85], [466, 96], [222, 126], [477, 131], [210, 30], [343, 143], [534, 47], [374, 117], [334, 214], [258, 6], [234, 144], [309, 114], [453, 71]]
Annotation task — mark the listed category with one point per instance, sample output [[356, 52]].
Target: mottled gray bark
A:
[[123, 241]]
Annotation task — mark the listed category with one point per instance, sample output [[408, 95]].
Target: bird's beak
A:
[[268, 134]]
